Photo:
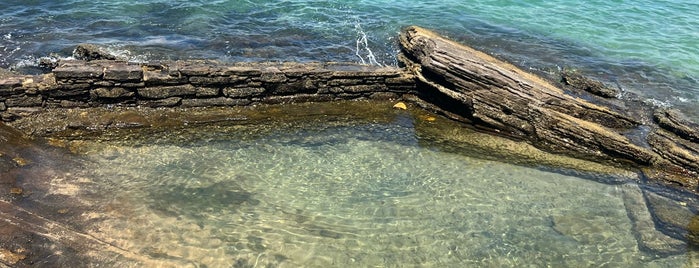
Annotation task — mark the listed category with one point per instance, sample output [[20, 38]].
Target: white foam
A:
[[363, 47]]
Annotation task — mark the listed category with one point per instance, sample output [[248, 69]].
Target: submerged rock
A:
[[581, 82], [649, 238], [195, 201], [674, 216], [90, 52]]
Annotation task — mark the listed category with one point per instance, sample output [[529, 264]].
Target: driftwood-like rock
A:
[[471, 86]]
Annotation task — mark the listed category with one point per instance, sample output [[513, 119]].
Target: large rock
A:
[[648, 236], [90, 52], [471, 86]]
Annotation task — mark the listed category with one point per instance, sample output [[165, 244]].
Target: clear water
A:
[[644, 46], [353, 195]]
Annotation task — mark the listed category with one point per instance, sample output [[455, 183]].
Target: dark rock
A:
[[197, 68], [9, 85], [73, 104], [162, 77], [676, 155], [89, 52], [213, 81], [207, 92], [78, 70], [581, 82], [289, 88], [168, 102], [111, 93], [221, 101], [358, 88], [49, 62], [162, 92], [123, 72], [273, 77], [693, 231], [243, 92], [673, 121], [297, 98], [470, 86], [24, 101], [69, 90], [384, 96], [649, 238], [671, 214]]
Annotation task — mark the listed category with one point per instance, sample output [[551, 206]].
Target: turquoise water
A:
[[647, 47]]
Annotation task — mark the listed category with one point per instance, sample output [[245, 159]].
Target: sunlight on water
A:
[[352, 196]]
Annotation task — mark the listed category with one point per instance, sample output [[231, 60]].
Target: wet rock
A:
[[167, 102], [243, 92], [111, 93], [49, 62], [648, 237], [196, 201], [123, 72], [672, 215], [24, 101], [582, 228], [578, 81], [220, 101], [673, 121], [163, 92], [11, 258], [89, 52], [77, 70], [693, 231]]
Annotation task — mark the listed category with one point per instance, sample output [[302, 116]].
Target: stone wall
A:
[[75, 84]]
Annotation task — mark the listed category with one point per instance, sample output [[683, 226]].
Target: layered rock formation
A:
[[470, 86]]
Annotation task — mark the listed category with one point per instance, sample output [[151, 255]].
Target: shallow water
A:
[[355, 194], [646, 47]]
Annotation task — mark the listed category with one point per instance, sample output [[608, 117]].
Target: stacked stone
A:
[[74, 84]]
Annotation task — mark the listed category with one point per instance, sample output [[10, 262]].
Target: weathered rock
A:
[[168, 102], [207, 92], [123, 72], [3, 107], [77, 70], [167, 91], [582, 228], [244, 92], [693, 231], [580, 82], [672, 215], [89, 52], [473, 87], [111, 93], [677, 156], [649, 238], [24, 101], [297, 98], [673, 121], [220, 101]]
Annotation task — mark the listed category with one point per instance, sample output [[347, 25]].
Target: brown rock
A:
[[111, 93], [163, 92], [580, 82], [89, 52]]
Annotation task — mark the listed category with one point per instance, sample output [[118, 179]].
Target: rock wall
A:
[[77, 83]]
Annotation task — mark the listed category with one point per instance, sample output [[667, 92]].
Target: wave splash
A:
[[362, 47]]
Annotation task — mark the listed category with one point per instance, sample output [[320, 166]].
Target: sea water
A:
[[355, 194], [361, 194], [647, 47]]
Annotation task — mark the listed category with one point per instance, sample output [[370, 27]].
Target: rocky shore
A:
[[574, 117]]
